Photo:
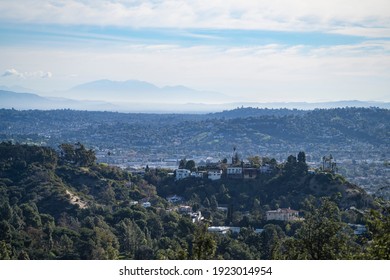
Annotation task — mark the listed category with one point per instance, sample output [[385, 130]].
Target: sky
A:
[[264, 51]]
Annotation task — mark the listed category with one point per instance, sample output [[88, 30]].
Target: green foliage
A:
[[77, 154], [322, 236], [190, 165], [69, 207], [379, 229], [204, 245]]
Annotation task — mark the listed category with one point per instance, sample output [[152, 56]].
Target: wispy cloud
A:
[[12, 72], [365, 18], [23, 75]]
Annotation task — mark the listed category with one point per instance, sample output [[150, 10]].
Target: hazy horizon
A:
[[254, 51]]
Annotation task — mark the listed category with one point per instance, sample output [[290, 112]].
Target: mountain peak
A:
[[108, 85]]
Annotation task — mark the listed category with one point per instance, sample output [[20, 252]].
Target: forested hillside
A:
[[61, 204], [246, 127]]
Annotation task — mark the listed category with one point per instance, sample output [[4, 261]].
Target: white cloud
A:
[[12, 72], [43, 75], [25, 75], [363, 17]]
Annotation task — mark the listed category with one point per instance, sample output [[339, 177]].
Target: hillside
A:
[[195, 133], [61, 204], [358, 138]]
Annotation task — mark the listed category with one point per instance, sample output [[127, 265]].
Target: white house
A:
[[185, 209], [182, 174], [234, 172], [224, 229], [196, 216], [174, 198], [146, 204], [198, 174], [215, 174], [220, 230], [285, 214]]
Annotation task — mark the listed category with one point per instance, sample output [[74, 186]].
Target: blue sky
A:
[[253, 50]]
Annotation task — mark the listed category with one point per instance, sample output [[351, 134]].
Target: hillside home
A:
[[146, 204], [250, 173], [174, 198], [215, 174], [185, 209], [234, 172], [198, 174], [220, 230], [284, 214], [182, 174], [224, 229]]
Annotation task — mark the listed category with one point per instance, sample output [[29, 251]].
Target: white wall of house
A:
[[282, 215], [197, 174], [215, 174], [182, 174], [234, 170]]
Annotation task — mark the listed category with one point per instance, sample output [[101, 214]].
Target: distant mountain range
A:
[[27, 101], [139, 91], [139, 96]]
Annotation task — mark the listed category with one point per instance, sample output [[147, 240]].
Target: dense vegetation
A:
[[199, 133], [60, 204]]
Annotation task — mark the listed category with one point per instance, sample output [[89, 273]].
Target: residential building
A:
[[250, 173], [220, 230], [146, 204], [224, 229], [358, 229], [185, 209], [182, 174], [198, 174], [284, 214], [234, 172], [174, 198], [215, 174]]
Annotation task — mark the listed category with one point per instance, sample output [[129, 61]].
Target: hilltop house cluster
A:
[[235, 170]]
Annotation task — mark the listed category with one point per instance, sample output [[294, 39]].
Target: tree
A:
[[322, 236], [213, 203], [291, 164], [204, 245], [301, 157], [5, 250], [291, 159], [270, 236], [130, 237], [379, 229], [77, 154], [255, 161], [182, 163], [206, 203], [302, 166], [190, 165]]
